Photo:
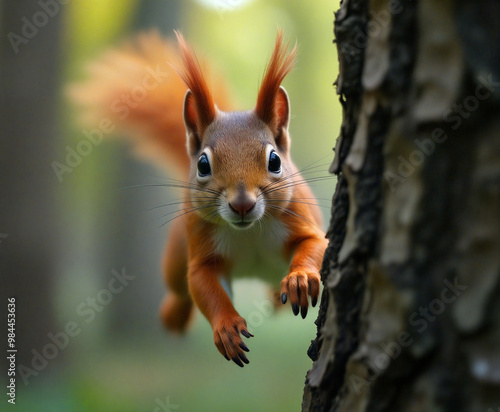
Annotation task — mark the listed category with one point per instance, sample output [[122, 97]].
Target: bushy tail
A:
[[136, 89]]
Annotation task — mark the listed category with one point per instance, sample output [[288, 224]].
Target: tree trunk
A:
[[410, 315], [29, 233]]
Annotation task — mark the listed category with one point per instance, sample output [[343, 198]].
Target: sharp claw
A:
[[283, 298], [303, 312], [244, 347], [246, 334], [295, 309], [227, 357], [243, 358], [237, 361], [314, 301]]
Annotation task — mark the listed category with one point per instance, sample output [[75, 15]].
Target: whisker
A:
[[308, 179], [303, 171], [311, 198], [314, 165], [287, 179], [206, 220], [298, 201], [183, 185], [180, 202], [296, 183], [293, 214], [191, 210], [266, 213]]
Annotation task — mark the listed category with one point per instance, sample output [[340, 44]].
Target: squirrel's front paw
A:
[[296, 287], [228, 340]]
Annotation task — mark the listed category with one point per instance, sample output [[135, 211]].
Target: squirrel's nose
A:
[[242, 206]]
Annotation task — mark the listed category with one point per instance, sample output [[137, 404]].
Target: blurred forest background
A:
[[60, 241]]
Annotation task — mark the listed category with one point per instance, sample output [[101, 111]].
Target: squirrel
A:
[[247, 210]]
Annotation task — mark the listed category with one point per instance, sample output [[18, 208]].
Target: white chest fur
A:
[[256, 252]]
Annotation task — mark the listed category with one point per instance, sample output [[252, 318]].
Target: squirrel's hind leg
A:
[[177, 308]]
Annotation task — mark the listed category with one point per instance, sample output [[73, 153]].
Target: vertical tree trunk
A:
[[163, 16], [410, 315], [29, 233]]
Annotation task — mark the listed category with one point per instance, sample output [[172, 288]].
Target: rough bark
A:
[[410, 315]]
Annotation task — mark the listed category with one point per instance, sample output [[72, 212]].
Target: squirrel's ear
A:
[[273, 107], [199, 106], [191, 122], [278, 118], [281, 117]]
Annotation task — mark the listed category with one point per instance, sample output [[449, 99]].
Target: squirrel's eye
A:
[[274, 162], [204, 165]]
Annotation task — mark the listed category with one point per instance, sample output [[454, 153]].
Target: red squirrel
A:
[[247, 210]]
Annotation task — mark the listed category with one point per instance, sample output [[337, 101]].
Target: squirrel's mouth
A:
[[242, 224]]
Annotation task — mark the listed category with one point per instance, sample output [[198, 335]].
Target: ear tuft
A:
[[272, 101], [201, 109]]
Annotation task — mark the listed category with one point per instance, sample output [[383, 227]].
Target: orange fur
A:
[[208, 242], [280, 64], [153, 122], [193, 77]]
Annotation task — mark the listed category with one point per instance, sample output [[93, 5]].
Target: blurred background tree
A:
[[65, 238], [30, 75]]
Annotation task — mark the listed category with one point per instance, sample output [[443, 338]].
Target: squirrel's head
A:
[[240, 163]]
